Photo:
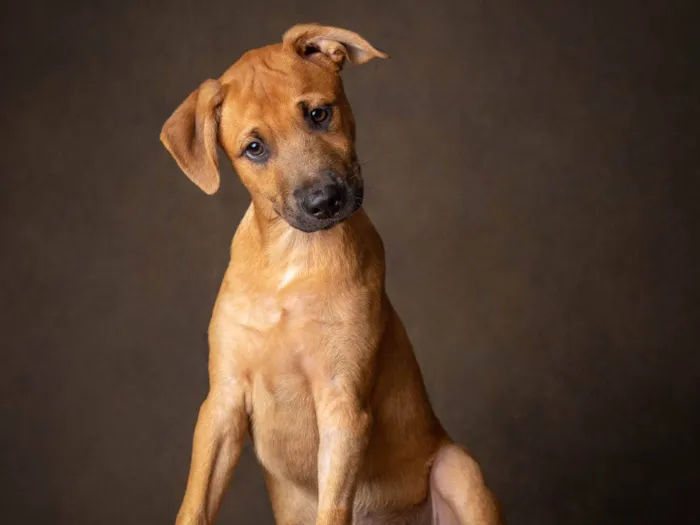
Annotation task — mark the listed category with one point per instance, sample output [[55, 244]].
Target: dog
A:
[[307, 354]]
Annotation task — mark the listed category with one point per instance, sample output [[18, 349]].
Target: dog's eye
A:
[[319, 115], [255, 150]]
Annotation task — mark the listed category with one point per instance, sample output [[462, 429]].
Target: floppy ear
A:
[[330, 46], [190, 135]]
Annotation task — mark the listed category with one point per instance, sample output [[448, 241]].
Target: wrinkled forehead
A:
[[272, 82]]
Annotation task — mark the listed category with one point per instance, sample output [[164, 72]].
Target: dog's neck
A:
[[348, 248]]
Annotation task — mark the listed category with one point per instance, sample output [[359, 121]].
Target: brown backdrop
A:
[[531, 167]]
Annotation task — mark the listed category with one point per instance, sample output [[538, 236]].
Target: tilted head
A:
[[281, 116]]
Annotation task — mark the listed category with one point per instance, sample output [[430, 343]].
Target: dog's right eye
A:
[[255, 150]]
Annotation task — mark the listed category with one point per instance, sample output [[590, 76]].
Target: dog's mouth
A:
[[308, 223], [324, 204]]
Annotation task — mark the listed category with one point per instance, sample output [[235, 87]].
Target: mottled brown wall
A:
[[533, 171]]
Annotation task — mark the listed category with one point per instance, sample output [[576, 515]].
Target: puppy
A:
[[307, 354]]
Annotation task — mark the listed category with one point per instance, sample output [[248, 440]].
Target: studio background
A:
[[531, 166]]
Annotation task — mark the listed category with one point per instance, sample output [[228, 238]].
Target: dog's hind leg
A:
[[459, 494]]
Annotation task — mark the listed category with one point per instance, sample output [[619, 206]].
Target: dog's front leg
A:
[[344, 426], [218, 440]]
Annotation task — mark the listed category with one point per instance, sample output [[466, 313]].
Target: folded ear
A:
[[330, 46], [190, 135]]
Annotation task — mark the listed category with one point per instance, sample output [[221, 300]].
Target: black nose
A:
[[324, 201]]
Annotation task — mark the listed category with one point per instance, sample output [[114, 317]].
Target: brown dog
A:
[[306, 352]]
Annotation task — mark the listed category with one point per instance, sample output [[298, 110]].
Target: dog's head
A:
[[281, 116]]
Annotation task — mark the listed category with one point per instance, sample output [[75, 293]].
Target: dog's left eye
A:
[[319, 115]]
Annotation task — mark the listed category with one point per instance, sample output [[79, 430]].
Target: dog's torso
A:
[[290, 327]]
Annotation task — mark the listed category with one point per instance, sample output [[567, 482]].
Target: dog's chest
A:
[[283, 354], [282, 408], [284, 428]]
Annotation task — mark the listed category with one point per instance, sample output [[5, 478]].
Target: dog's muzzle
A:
[[326, 201]]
